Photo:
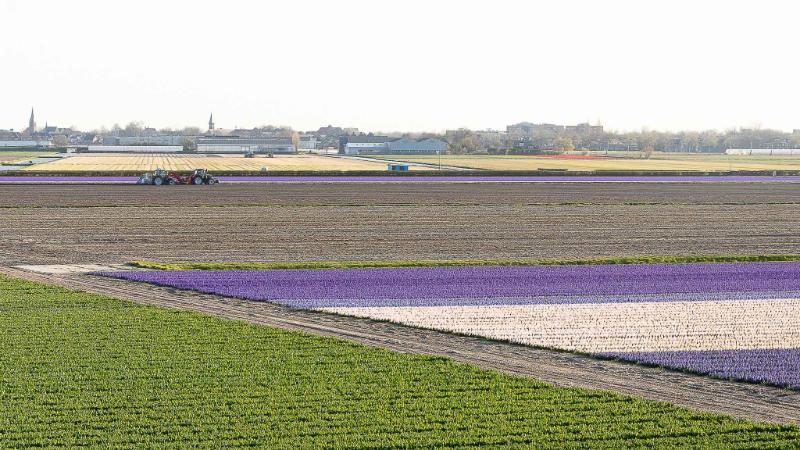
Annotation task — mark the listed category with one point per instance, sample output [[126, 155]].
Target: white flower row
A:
[[614, 327]]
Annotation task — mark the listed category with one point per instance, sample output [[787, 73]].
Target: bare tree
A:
[[462, 141], [60, 140], [563, 144], [189, 145]]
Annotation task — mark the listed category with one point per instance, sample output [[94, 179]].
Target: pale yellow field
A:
[[659, 162], [116, 162]]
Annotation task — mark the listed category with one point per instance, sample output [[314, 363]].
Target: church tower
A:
[[211, 123], [31, 124]]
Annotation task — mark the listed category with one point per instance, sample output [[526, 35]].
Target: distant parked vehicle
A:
[[159, 177]]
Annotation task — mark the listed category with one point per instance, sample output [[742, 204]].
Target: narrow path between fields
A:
[[748, 401]]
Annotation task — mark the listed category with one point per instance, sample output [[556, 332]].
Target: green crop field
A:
[[12, 156], [676, 259], [79, 369]]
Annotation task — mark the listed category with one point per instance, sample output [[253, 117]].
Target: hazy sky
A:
[[401, 65]]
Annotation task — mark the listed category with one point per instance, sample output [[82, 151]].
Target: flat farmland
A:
[[661, 162], [127, 162], [362, 221], [103, 224], [22, 155], [400, 193]]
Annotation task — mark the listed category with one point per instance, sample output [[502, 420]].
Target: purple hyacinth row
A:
[[489, 285], [403, 179], [776, 366], [65, 179]]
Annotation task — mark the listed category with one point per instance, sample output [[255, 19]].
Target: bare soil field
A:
[[748, 401], [414, 193], [113, 224]]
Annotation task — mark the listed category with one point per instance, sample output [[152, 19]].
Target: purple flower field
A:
[[65, 179], [732, 320], [436, 179], [488, 284], [778, 366]]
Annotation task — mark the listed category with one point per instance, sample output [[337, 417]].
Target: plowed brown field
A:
[[112, 224]]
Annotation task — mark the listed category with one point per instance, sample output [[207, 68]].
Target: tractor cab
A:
[[201, 176], [156, 177]]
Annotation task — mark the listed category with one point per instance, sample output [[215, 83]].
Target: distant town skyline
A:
[[211, 125], [411, 66]]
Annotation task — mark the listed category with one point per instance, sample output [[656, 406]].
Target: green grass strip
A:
[[83, 370], [464, 262]]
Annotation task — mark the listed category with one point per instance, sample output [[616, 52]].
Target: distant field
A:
[[15, 156], [60, 224], [84, 370], [117, 162], [661, 161]]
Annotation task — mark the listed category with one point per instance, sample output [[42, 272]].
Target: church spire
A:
[[211, 123], [32, 124]]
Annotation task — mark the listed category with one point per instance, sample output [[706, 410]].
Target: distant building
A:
[[237, 144], [330, 130], [132, 148], [9, 135], [144, 140], [31, 124], [584, 128], [411, 146], [308, 142], [370, 144], [363, 143], [28, 143], [528, 128], [51, 130], [763, 151]]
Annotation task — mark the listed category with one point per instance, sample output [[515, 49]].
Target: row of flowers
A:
[[728, 320]]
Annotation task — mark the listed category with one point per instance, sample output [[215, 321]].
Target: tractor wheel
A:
[[197, 180], [158, 181], [172, 182]]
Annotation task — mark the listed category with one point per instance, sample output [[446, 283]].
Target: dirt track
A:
[[76, 224], [754, 402]]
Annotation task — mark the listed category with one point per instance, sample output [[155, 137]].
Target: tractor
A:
[[201, 176], [160, 176]]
